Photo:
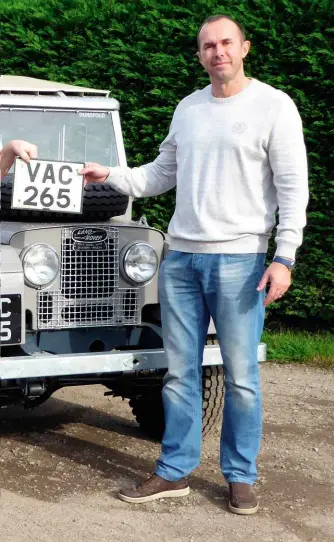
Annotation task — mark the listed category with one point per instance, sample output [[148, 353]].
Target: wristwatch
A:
[[290, 264]]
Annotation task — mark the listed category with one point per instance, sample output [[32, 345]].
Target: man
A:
[[235, 152], [14, 148]]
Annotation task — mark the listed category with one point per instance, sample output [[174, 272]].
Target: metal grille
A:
[[89, 295], [87, 273]]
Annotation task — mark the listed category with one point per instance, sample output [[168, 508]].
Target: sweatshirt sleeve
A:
[[288, 160], [150, 179]]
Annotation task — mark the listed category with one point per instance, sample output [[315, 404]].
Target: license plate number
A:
[[42, 185], [10, 319]]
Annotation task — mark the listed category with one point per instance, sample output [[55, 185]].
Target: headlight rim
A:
[[23, 255], [123, 255]]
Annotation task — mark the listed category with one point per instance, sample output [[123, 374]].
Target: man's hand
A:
[[94, 173], [279, 277], [14, 148]]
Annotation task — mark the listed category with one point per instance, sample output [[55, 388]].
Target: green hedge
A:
[[144, 51]]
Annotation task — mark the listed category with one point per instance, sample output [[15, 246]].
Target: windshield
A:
[[83, 136]]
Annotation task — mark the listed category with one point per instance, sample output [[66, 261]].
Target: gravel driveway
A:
[[61, 465]]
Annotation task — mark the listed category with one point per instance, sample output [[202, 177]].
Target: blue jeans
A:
[[192, 287]]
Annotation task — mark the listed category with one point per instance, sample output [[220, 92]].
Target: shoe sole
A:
[[243, 511], [161, 495]]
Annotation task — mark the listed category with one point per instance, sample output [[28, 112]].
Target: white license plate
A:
[[48, 186]]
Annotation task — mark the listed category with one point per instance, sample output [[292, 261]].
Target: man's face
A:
[[222, 50]]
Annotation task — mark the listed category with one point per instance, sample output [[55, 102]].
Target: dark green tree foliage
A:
[[144, 51]]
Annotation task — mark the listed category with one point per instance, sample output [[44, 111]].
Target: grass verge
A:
[[300, 347]]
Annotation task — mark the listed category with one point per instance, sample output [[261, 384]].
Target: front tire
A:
[[149, 412]]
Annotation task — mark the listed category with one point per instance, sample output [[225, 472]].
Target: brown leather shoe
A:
[[154, 488], [242, 499]]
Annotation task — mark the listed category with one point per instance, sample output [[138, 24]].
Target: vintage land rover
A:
[[79, 298]]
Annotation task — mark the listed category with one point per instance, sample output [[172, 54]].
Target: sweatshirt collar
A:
[[235, 97]]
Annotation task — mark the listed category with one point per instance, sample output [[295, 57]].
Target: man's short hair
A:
[[214, 18]]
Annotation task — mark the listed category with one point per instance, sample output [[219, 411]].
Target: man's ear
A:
[[245, 48], [198, 54]]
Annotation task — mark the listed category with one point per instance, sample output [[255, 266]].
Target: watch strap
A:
[[285, 261]]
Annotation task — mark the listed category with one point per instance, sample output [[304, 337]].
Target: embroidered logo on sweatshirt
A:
[[239, 127]]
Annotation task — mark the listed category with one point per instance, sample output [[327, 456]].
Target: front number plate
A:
[[10, 319], [42, 185]]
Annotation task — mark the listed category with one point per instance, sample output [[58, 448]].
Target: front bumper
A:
[[42, 365]]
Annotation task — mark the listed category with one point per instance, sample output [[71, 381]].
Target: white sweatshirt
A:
[[233, 162]]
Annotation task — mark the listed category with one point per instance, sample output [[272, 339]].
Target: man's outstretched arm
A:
[[148, 180]]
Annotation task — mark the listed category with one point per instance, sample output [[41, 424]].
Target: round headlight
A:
[[40, 265], [140, 262]]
